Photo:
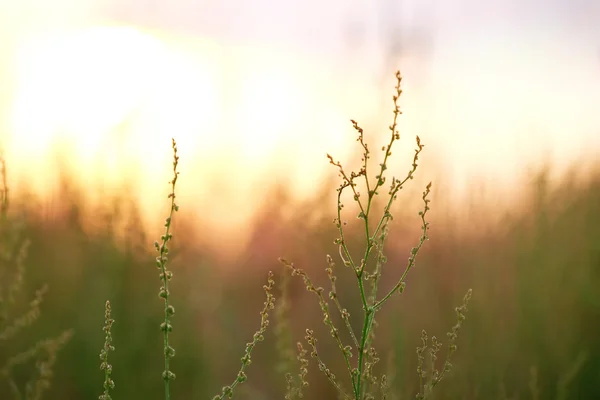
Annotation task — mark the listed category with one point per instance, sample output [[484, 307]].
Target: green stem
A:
[[367, 325]]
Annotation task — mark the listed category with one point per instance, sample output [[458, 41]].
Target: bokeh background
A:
[[504, 94]]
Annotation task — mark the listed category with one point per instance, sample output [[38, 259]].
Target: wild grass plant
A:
[[16, 371], [360, 355], [364, 381], [536, 274]]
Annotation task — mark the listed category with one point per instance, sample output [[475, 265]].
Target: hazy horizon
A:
[[257, 94]]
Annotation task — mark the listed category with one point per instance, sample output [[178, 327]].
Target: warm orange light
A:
[[107, 100], [107, 91]]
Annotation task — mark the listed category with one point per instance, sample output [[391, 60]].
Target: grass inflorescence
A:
[[109, 384], [227, 391], [166, 276]]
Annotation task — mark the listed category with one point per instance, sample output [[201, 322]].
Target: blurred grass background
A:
[[532, 329]]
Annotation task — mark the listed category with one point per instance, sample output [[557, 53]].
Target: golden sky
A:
[[257, 95]]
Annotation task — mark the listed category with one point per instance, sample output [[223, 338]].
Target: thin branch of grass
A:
[[282, 329], [293, 391], [26, 319], [46, 351], [227, 391], [413, 253], [13, 252], [312, 341], [334, 296], [334, 332], [165, 277], [109, 384], [429, 379]]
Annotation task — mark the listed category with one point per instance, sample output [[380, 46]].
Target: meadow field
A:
[[172, 176], [531, 330]]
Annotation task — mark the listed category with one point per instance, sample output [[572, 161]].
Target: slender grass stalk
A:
[[227, 391], [430, 377], [165, 277], [109, 384]]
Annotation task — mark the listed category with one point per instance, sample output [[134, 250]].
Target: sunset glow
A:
[[103, 101], [107, 100]]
